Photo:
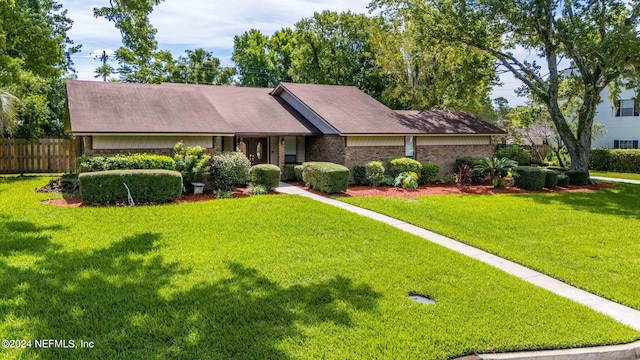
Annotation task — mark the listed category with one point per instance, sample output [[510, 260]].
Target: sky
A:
[[211, 25]]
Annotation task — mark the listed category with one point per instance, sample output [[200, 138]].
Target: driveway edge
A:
[[613, 352]]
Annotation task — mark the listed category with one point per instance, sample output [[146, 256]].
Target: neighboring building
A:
[[292, 123], [620, 119]]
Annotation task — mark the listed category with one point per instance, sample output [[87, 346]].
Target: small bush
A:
[[360, 175], [229, 170], [400, 165], [578, 177], [298, 172], [146, 186], [191, 162], [551, 179], [125, 162], [288, 172], [327, 177], [563, 180], [516, 153], [464, 176], [267, 175], [477, 177], [258, 189], [428, 173], [406, 180], [529, 178], [223, 194], [374, 172], [447, 180], [387, 180]]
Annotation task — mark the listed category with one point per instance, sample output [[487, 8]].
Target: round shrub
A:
[[551, 179], [406, 180], [288, 172], [229, 170], [145, 186], [267, 175], [529, 178], [374, 172], [297, 170], [563, 180], [327, 177], [578, 177], [360, 175], [400, 165], [428, 173]]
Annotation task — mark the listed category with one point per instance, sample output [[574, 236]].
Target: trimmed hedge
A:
[[288, 172], [146, 186], [578, 177], [228, 171], [618, 160], [297, 170], [267, 175], [563, 180], [326, 177], [551, 179], [529, 178], [360, 175], [125, 162], [399, 165], [428, 173]]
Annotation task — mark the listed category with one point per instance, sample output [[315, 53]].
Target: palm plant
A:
[[8, 114], [496, 169]]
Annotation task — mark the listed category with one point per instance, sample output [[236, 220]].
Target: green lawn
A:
[[617, 175], [268, 277], [589, 240]]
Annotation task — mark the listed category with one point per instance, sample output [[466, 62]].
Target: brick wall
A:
[[329, 148], [360, 155], [445, 155], [88, 150]]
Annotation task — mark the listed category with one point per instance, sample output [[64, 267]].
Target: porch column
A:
[[281, 152]]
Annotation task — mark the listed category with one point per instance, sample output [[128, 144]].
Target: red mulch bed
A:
[[388, 191]]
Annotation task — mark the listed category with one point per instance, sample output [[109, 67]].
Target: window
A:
[[409, 146], [290, 149], [626, 108], [625, 144]]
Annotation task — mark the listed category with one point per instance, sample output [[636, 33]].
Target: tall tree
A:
[[199, 67], [8, 115], [255, 63], [138, 57], [599, 38]]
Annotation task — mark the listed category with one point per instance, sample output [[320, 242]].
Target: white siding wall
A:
[[453, 140], [375, 140], [616, 128], [148, 142]]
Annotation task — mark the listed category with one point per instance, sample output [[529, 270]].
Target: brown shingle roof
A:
[[104, 107], [446, 122], [351, 111]]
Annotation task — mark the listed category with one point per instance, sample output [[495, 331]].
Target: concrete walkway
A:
[[637, 182], [622, 314]]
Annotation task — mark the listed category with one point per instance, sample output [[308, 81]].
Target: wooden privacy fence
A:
[[37, 156]]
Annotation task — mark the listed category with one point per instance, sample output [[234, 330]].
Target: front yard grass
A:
[[589, 239], [268, 277], [616, 175]]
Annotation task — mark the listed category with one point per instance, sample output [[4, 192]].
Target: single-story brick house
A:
[[292, 123]]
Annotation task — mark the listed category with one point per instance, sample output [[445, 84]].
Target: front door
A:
[[257, 150]]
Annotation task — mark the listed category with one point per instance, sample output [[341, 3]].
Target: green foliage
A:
[[529, 178], [298, 172], [256, 66], [477, 177], [578, 177], [229, 170], [400, 165], [516, 153], [146, 186], [406, 180], [327, 177], [125, 162], [374, 171], [617, 160], [563, 180], [191, 162], [386, 180], [223, 194], [288, 172], [360, 175], [496, 169], [428, 173], [258, 189], [551, 180], [198, 67], [267, 175]]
